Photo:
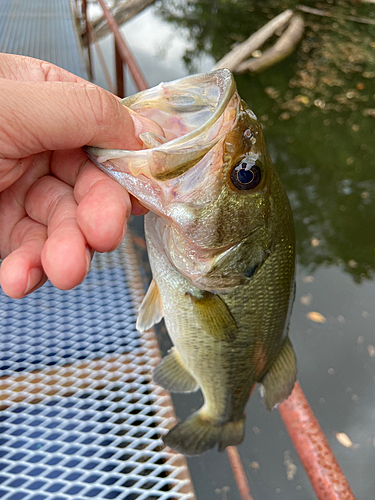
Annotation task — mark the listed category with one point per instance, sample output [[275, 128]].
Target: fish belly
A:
[[225, 370]]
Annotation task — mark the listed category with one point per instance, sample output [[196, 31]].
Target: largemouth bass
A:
[[220, 239]]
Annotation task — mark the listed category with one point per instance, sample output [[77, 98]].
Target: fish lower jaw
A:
[[202, 275], [206, 268], [199, 274]]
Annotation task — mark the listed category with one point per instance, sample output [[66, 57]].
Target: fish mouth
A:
[[195, 112]]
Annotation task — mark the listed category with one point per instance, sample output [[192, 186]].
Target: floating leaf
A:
[[306, 299], [291, 468], [343, 439], [308, 279], [317, 317]]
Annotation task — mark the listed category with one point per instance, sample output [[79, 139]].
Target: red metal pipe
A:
[[239, 473], [119, 65], [124, 50], [316, 455], [107, 76], [238, 469], [87, 38]]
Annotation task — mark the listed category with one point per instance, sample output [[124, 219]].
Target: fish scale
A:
[[220, 239]]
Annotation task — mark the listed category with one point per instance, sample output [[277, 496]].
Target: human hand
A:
[[56, 206]]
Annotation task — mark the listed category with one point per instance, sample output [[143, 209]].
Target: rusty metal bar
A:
[[103, 64], [120, 84], [318, 460], [239, 473], [238, 470], [86, 38], [124, 51]]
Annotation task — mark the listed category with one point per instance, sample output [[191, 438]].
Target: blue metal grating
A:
[[44, 29], [80, 416], [95, 319]]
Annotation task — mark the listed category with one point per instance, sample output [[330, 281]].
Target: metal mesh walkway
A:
[[80, 417], [43, 29]]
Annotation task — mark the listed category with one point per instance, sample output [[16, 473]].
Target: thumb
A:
[[40, 116]]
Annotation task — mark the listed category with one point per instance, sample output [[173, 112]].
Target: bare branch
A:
[[325, 13], [256, 40], [282, 48]]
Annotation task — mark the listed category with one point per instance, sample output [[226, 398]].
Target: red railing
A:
[[123, 55], [318, 460]]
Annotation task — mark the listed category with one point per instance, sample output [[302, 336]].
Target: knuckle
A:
[[100, 103]]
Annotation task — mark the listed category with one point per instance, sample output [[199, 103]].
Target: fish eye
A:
[[246, 175]]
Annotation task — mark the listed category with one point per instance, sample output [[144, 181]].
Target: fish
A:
[[221, 245]]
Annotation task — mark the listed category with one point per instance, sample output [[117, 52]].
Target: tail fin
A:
[[197, 435]]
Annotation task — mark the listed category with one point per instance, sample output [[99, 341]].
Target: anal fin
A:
[[151, 310], [214, 316], [172, 374], [278, 382]]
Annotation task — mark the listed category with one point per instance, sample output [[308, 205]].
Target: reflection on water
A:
[[318, 111]]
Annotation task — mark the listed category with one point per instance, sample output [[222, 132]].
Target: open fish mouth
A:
[[195, 113]]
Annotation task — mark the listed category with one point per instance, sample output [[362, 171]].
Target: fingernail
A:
[[34, 277]]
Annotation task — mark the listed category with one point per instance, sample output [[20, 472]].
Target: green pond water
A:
[[318, 112]]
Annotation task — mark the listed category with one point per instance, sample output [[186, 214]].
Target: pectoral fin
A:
[[278, 382], [214, 316], [172, 374], [151, 310]]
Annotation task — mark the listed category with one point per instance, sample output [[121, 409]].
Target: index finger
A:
[[16, 67], [104, 206], [42, 116]]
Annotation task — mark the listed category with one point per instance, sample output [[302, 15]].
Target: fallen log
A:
[[284, 46], [245, 49], [325, 13]]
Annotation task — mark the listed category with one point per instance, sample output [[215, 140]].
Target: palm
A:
[[56, 207]]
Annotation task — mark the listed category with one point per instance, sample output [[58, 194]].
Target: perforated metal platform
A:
[[44, 29], [80, 417]]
